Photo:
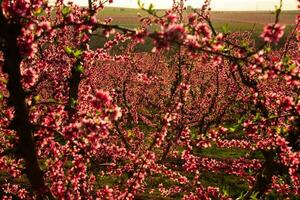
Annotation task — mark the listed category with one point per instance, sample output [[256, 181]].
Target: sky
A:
[[215, 4]]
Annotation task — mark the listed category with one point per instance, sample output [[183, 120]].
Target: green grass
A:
[[222, 153], [230, 184]]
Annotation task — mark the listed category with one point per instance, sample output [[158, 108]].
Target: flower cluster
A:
[[273, 32]]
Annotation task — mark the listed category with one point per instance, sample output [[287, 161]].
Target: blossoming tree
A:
[[73, 117]]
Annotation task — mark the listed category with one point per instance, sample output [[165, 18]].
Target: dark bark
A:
[[264, 176], [74, 82], [17, 98]]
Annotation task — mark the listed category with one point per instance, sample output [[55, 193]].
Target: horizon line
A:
[[270, 10]]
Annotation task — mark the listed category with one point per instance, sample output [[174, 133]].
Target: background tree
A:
[[72, 117]]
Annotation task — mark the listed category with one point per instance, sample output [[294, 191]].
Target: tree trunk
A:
[[17, 98]]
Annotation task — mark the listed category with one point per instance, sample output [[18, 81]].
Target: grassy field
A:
[[128, 16], [233, 20]]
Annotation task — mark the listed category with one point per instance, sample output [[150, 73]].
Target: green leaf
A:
[[292, 66], [1, 96], [250, 171], [73, 103], [77, 53], [277, 10], [241, 197], [234, 128], [65, 11], [225, 191], [79, 68], [242, 119], [52, 100], [141, 5], [257, 116], [151, 8], [231, 129], [180, 150], [73, 52], [254, 196], [288, 64], [244, 43], [268, 49], [39, 11], [241, 62], [225, 29], [286, 60], [68, 50], [194, 135], [130, 133], [3, 80], [37, 98]]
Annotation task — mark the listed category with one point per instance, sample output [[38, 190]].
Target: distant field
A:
[[127, 16], [234, 20], [254, 17], [241, 21]]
